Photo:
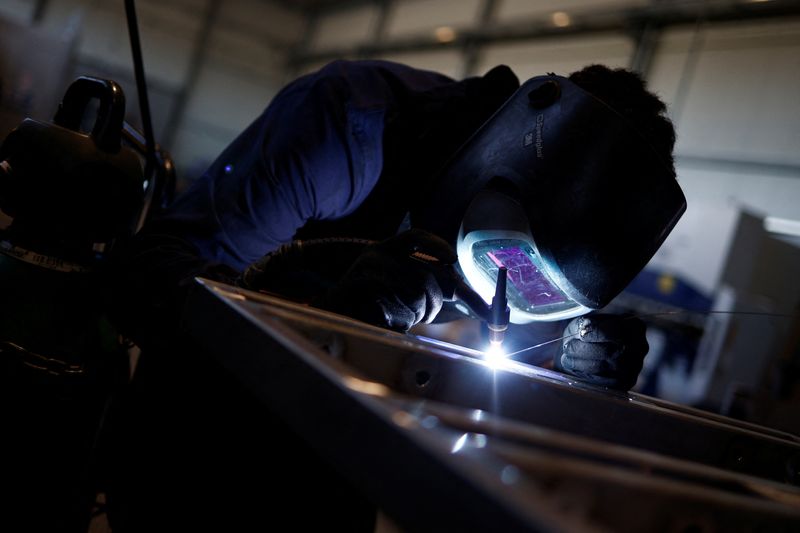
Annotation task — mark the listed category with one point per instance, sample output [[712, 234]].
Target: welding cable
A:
[[303, 269]]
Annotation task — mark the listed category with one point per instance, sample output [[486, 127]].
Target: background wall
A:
[[729, 71], [211, 66]]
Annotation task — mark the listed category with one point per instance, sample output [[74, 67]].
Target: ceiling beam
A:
[[628, 20]]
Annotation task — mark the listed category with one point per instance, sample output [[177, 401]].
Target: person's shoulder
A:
[[379, 67], [361, 85]]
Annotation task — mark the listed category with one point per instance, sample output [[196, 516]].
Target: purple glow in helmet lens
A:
[[532, 294], [531, 284]]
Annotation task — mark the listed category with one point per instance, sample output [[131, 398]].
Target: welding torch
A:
[[454, 288], [495, 315]]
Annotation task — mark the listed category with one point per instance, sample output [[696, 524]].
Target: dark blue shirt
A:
[[342, 152], [315, 153]]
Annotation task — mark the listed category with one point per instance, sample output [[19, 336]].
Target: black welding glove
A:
[[388, 287], [605, 350], [378, 283], [303, 270]]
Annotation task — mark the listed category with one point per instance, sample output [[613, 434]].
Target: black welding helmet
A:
[[562, 191]]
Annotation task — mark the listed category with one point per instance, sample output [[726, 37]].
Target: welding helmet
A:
[[561, 190]]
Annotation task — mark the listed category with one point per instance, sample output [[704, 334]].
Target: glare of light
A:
[[783, 226], [460, 443], [495, 356], [229, 294], [509, 475], [367, 387], [445, 34], [403, 419], [561, 19]]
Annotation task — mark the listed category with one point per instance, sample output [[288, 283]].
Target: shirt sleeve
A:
[[312, 155], [315, 153]]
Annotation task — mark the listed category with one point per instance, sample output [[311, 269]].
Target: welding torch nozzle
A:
[[496, 316], [500, 312], [497, 334]]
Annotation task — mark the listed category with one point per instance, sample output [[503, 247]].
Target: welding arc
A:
[[540, 345], [645, 315]]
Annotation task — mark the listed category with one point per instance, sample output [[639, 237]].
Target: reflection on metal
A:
[[459, 443], [511, 449], [37, 361], [365, 387]]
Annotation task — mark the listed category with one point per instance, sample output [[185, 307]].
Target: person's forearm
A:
[[149, 281]]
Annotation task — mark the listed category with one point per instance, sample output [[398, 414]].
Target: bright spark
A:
[[495, 355]]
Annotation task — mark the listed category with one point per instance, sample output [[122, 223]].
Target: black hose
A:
[[141, 87]]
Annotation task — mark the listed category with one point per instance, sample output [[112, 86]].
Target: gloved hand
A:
[[387, 287], [606, 350], [303, 270]]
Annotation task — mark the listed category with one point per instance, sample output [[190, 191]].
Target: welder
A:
[[565, 184]]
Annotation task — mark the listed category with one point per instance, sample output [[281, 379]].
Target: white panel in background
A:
[[345, 28], [419, 17], [698, 256], [559, 55], [263, 20], [447, 62], [514, 10], [698, 245], [741, 97]]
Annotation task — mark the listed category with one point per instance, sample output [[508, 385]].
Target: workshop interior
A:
[[111, 109]]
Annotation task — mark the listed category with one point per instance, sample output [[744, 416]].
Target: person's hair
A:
[[626, 93]]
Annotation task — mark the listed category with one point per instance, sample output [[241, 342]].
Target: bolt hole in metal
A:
[[331, 343], [422, 378]]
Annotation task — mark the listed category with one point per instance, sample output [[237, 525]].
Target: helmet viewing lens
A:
[[530, 290]]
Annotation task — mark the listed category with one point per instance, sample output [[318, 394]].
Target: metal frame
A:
[[407, 420]]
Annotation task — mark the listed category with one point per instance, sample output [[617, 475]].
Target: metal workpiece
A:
[[441, 439]]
